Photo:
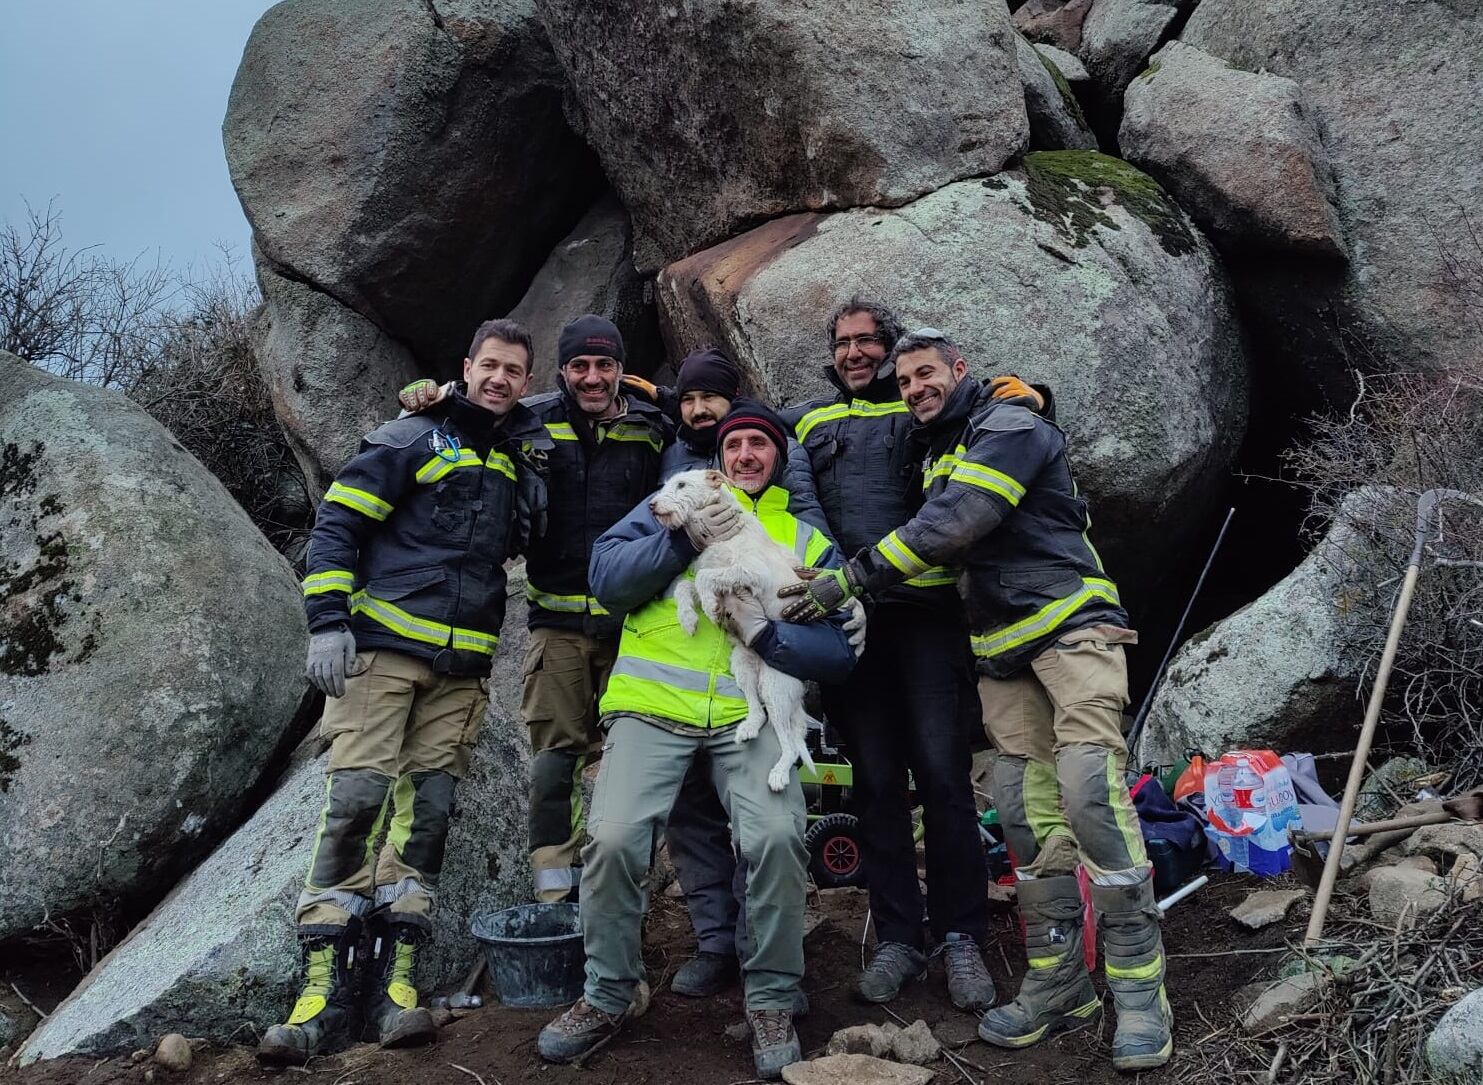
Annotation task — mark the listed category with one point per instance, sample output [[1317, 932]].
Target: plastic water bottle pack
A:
[[1250, 802]]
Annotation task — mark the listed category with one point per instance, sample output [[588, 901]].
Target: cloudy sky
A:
[[114, 108]]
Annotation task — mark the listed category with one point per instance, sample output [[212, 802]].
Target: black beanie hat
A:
[[589, 334], [749, 414], [708, 370]]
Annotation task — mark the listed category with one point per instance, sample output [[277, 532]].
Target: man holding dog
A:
[[672, 697], [1047, 634], [405, 596]]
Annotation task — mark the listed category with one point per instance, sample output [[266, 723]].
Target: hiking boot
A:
[[393, 1017], [893, 964], [969, 984], [577, 1031], [705, 974], [774, 1043], [322, 1019], [1056, 995], [1135, 973]]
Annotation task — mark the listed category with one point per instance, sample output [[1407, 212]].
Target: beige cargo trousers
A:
[[400, 739]]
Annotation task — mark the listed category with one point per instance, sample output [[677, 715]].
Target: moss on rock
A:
[[1070, 190], [1072, 105]]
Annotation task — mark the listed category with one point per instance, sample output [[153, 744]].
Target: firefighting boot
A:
[[322, 1020], [1056, 995], [393, 1017], [1135, 973]]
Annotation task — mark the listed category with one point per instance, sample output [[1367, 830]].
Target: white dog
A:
[[748, 563]]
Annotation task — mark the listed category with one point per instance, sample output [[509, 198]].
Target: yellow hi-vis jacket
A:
[[662, 671]]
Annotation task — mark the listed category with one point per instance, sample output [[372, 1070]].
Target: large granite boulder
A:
[[710, 115], [1393, 90], [151, 652], [409, 159], [1236, 149], [332, 374], [218, 957], [1077, 271], [1454, 1050], [591, 271], [1282, 672], [1056, 120], [1054, 22], [1117, 38]]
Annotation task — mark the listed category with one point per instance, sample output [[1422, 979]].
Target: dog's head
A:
[[687, 493]]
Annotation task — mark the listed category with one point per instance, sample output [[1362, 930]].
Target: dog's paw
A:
[[777, 779], [749, 728], [689, 620]]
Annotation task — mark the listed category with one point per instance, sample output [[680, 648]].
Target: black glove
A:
[[823, 593]]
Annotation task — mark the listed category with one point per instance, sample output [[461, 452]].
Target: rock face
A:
[[1393, 90], [1236, 150], [1054, 22], [1056, 121], [1117, 38], [1282, 672], [1454, 1051], [408, 159], [219, 954], [710, 116], [1078, 272], [333, 375], [591, 271], [151, 651]]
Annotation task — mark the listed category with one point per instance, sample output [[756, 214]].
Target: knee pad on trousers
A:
[[1029, 803], [555, 792], [354, 807], [1099, 808], [419, 831]]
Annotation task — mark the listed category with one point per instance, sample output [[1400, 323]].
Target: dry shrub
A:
[[1414, 432]]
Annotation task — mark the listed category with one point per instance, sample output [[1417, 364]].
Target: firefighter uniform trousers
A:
[[1058, 780], [400, 738], [566, 672]]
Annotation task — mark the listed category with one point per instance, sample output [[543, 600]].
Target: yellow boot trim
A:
[[403, 995], [398, 989], [307, 1008], [318, 971]]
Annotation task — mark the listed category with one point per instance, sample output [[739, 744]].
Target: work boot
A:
[[393, 1017], [969, 984], [322, 1020], [774, 1043], [577, 1031], [1057, 994], [705, 974], [893, 964], [1135, 973]]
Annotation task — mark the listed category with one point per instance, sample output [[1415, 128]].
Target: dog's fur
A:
[[750, 563]]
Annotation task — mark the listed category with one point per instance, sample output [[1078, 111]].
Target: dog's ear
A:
[[714, 479]]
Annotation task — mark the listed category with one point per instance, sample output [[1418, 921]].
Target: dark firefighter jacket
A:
[[1001, 503], [863, 469], [595, 472], [410, 541]]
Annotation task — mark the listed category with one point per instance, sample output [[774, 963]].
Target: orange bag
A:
[[1191, 779]]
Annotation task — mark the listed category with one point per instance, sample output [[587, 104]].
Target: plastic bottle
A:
[[1246, 788]]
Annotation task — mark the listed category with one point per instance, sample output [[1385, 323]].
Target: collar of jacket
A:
[[881, 390], [774, 498], [700, 441]]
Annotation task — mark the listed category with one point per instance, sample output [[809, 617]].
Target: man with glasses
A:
[[910, 704], [1047, 633]]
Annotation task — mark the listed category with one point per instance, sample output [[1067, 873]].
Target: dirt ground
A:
[[683, 1041]]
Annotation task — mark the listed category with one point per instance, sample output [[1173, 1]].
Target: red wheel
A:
[[834, 851]]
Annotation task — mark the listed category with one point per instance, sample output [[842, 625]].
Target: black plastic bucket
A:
[[534, 952]]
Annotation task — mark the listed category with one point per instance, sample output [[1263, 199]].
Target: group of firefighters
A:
[[945, 577]]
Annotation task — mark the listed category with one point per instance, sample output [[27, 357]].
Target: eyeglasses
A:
[[870, 339]]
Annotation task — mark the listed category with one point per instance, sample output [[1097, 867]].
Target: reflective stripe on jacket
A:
[[663, 672], [1001, 503], [410, 541], [863, 468], [592, 479]]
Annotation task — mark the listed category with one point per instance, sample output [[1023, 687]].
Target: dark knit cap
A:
[[589, 334], [749, 414], [708, 370]]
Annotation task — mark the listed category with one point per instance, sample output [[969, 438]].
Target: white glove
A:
[[713, 523], [331, 653], [747, 619], [854, 626]]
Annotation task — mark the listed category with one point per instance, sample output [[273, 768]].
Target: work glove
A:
[[713, 523], [331, 652], [1011, 387], [747, 619], [420, 395], [822, 594], [854, 626]]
